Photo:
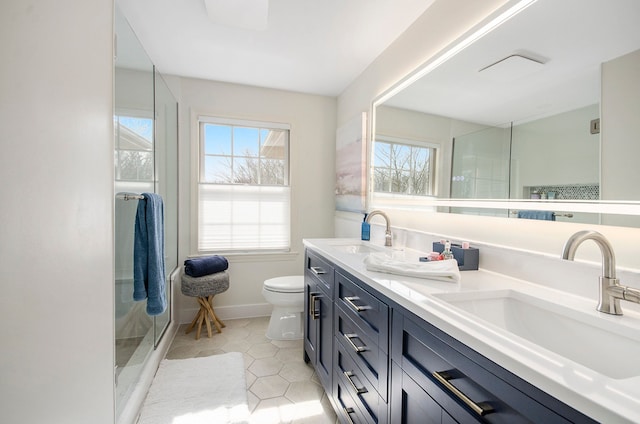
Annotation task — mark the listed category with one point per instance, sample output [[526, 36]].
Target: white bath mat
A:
[[198, 391]]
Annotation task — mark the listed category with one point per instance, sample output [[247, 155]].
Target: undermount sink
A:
[[599, 344], [356, 247]]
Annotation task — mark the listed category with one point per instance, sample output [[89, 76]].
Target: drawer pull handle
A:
[[349, 338], [480, 408], [314, 313], [350, 299], [317, 270], [359, 391], [348, 412]]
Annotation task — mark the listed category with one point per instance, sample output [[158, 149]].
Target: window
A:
[[403, 167], [243, 186], [134, 148]]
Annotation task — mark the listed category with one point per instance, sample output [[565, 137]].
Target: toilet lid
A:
[[289, 284]]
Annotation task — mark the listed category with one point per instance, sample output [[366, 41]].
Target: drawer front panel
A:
[[361, 389], [465, 390], [322, 270], [419, 407], [363, 350], [410, 403], [346, 408], [365, 309]]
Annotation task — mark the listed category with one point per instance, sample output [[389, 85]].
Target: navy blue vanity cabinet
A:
[[439, 379], [361, 360], [318, 322], [381, 364]]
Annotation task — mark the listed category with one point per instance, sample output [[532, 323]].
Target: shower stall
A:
[[146, 160]]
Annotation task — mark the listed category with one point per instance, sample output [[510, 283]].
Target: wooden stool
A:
[[205, 288]]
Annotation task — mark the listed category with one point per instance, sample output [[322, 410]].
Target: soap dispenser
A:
[[447, 251], [365, 233]]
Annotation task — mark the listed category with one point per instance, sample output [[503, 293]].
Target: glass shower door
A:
[[166, 177], [134, 173]]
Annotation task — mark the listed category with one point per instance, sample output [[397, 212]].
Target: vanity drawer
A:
[[362, 391], [321, 269], [441, 370], [366, 310], [363, 350], [414, 405], [346, 408]]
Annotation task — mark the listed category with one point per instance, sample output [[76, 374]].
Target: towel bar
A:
[[566, 215]]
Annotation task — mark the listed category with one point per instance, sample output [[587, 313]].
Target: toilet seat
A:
[[289, 284]]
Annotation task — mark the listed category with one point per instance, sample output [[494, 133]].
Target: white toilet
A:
[[286, 294]]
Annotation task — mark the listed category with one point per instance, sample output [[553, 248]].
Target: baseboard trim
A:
[[230, 312]]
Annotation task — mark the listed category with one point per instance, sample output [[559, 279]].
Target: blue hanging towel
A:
[[542, 215], [148, 254]]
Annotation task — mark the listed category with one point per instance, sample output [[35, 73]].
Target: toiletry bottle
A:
[[366, 229], [447, 251]]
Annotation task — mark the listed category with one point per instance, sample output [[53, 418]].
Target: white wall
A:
[[439, 26], [557, 150], [621, 127], [56, 212], [312, 155], [619, 133]]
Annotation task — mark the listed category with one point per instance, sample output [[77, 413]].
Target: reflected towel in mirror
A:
[[446, 270], [541, 215]]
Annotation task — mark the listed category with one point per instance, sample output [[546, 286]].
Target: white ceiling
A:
[[309, 46], [571, 37]]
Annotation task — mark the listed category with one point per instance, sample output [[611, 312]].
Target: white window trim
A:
[[196, 118]]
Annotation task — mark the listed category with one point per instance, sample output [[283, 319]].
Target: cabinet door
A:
[[310, 317], [318, 330], [324, 343]]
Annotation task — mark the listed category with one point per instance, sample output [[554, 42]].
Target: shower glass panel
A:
[[145, 157], [166, 177], [480, 168]]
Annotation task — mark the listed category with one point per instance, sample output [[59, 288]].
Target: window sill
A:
[[252, 256]]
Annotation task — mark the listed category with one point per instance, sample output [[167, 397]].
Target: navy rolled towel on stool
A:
[[198, 267]]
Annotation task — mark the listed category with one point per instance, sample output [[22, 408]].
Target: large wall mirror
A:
[[538, 117]]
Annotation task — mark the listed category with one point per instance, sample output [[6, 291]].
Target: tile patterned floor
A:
[[281, 388]]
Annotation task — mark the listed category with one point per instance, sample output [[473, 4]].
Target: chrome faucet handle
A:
[[387, 238], [610, 293]]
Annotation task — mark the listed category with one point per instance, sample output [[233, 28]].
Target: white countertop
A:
[[605, 399]]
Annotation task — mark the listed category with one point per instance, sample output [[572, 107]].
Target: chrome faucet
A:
[[610, 291], [387, 233]]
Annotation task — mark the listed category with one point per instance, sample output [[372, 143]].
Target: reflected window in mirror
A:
[[402, 168], [134, 148]]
